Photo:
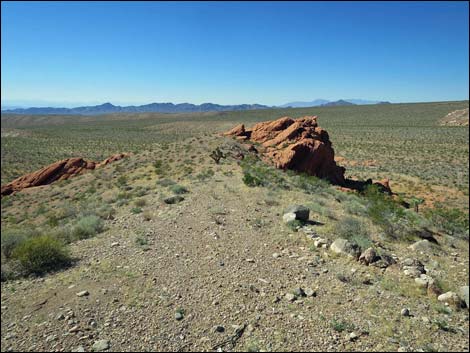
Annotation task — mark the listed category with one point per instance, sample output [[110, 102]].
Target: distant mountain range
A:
[[108, 108], [326, 103]]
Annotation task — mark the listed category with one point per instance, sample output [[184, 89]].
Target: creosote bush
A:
[[41, 254]]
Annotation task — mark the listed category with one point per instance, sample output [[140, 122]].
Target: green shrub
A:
[[355, 231], [41, 254], [136, 210], [389, 214], [165, 182], [355, 208], [11, 240], [258, 173], [252, 180], [310, 184], [179, 189], [158, 166], [450, 220], [204, 175], [87, 227], [295, 225], [340, 326]]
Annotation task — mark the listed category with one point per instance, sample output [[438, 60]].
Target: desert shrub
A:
[[87, 227], [178, 189], [354, 207], [450, 220], [140, 202], [389, 214], [308, 183], [355, 231], [52, 220], [257, 173], [136, 210], [67, 210], [141, 240], [341, 325], [141, 191], [158, 166], [295, 225], [252, 180], [41, 254], [122, 180], [13, 237], [10, 241], [165, 182], [205, 174], [105, 211]]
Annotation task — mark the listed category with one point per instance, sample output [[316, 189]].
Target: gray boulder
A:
[[173, 199], [345, 247], [100, 345], [301, 212], [423, 246]]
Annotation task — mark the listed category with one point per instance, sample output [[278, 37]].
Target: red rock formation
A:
[[298, 144], [60, 170]]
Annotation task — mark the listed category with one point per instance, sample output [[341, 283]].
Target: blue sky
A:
[[271, 53]]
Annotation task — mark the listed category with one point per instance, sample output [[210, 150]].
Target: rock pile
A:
[[60, 170]]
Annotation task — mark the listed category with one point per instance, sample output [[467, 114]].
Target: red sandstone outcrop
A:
[[60, 170], [297, 144]]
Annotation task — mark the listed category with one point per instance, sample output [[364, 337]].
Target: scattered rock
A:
[[83, 293], [384, 261], [100, 345], [320, 242], [219, 329], [423, 280], [288, 217], [352, 336], [423, 246], [179, 316], [74, 329], [405, 312], [173, 199], [310, 292], [343, 246], [450, 298], [368, 256], [412, 267], [299, 292], [290, 297]]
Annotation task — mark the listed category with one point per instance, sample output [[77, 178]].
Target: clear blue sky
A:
[[229, 53]]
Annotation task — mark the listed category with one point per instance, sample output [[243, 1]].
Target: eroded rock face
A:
[[60, 170], [297, 144]]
